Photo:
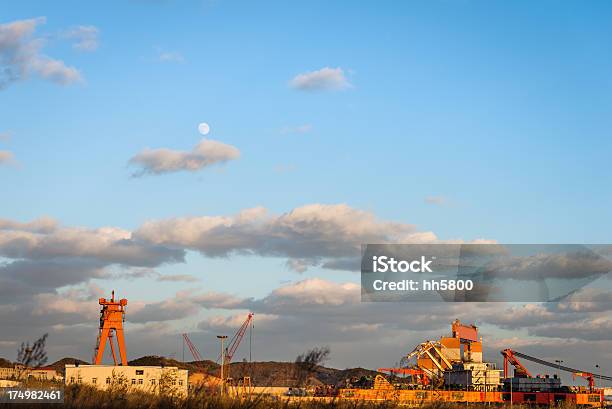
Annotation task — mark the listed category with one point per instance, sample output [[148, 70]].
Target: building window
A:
[[181, 382], [152, 381], [140, 381], [133, 381], [79, 380], [72, 379], [139, 371], [108, 380], [94, 380]]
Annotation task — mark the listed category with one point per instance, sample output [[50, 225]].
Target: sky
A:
[[331, 125]]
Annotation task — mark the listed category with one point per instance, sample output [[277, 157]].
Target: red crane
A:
[[234, 342], [510, 355], [588, 376], [192, 348], [520, 370]]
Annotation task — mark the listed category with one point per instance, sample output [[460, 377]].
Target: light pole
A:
[[222, 338], [559, 362]]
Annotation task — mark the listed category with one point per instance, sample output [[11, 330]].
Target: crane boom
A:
[[560, 367], [192, 348], [234, 342], [237, 338]]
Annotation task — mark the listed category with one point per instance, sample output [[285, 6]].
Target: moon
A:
[[203, 128]]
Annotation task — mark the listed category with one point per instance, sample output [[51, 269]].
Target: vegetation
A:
[[35, 355], [86, 397], [307, 363]]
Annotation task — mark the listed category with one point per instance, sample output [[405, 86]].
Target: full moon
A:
[[204, 128]]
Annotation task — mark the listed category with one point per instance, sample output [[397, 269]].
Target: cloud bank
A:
[[21, 56]]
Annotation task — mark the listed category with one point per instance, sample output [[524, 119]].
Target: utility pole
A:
[[222, 338]]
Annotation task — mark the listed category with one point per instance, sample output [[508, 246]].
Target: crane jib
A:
[[560, 367]]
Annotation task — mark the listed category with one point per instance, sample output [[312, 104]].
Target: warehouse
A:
[[154, 379]]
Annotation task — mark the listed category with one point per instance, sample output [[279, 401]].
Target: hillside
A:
[[59, 365], [4, 363], [262, 373]]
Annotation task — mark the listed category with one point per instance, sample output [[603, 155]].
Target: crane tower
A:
[[112, 316]]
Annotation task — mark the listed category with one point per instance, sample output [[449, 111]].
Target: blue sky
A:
[[498, 112]]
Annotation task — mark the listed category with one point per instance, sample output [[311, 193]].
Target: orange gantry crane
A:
[[112, 316]]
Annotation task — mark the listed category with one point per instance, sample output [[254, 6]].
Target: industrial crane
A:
[[520, 370], [234, 343], [511, 356], [194, 351]]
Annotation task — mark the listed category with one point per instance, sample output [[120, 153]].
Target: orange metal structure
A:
[[464, 332], [588, 376], [520, 370], [417, 374], [112, 316]]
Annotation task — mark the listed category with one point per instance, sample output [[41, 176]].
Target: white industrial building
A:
[[153, 379]]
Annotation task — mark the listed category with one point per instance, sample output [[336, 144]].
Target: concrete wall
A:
[[144, 378]]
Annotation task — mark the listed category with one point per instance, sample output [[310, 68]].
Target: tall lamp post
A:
[[222, 338], [559, 362]]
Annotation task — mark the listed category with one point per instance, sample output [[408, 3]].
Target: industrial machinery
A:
[[112, 317], [417, 375], [194, 351], [454, 371], [455, 360], [521, 371]]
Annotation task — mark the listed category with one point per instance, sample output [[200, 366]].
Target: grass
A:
[[86, 397]]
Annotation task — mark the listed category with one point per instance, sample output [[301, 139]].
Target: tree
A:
[[307, 363], [33, 356]]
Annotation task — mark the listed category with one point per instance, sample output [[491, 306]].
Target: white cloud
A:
[[316, 291], [311, 234], [323, 79], [299, 129], [187, 278], [206, 153], [436, 200], [85, 37], [170, 56], [41, 225], [5, 136], [21, 57]]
